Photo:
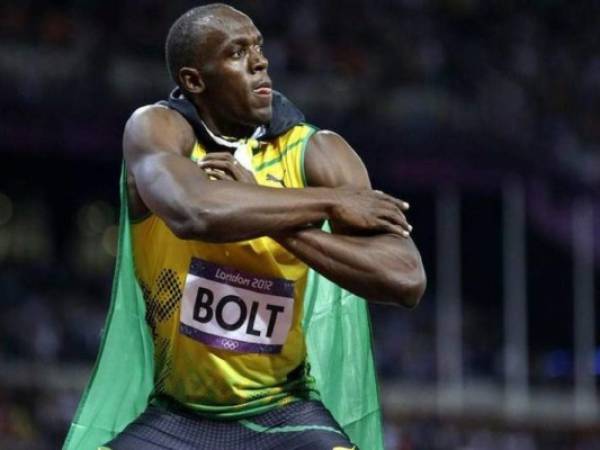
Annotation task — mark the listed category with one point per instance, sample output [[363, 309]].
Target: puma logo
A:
[[271, 177]]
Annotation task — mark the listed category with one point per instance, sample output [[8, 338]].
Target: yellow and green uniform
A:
[[226, 318]]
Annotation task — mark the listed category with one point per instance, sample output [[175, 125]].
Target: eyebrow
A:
[[244, 40]]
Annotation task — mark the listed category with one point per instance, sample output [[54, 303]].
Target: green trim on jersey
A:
[[303, 155], [286, 428], [293, 146]]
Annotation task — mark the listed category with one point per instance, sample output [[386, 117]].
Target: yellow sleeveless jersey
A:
[[226, 318]]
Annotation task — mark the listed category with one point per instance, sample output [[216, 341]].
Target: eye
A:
[[259, 48], [238, 53]]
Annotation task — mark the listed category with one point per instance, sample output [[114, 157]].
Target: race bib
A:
[[229, 309]]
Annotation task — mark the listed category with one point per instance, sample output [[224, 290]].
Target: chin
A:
[[263, 116]]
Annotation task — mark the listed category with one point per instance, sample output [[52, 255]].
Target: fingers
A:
[[368, 209], [223, 165], [392, 211], [394, 219], [398, 219], [401, 204], [389, 227], [214, 174], [221, 161], [228, 165]]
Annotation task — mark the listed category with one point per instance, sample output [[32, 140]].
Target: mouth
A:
[[263, 89]]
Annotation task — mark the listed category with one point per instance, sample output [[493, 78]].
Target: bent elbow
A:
[[189, 228], [408, 288], [414, 290], [197, 224]]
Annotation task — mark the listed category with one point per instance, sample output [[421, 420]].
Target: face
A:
[[237, 88]]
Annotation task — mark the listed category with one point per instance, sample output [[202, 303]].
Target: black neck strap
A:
[[285, 116]]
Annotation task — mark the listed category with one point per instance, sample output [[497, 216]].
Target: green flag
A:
[[339, 352]]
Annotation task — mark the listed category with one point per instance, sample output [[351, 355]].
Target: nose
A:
[[258, 61]]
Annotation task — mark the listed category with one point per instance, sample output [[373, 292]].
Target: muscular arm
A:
[[157, 144], [384, 267]]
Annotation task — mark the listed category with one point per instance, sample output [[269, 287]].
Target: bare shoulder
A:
[[330, 162], [152, 133], [155, 128]]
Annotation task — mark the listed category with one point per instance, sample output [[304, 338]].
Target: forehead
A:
[[226, 27]]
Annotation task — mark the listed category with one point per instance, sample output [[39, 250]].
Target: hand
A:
[[223, 166], [366, 210]]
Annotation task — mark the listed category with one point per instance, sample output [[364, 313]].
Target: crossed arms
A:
[[370, 252]]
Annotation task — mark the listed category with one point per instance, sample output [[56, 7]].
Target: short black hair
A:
[[182, 39]]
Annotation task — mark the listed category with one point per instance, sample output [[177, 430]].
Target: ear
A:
[[191, 80]]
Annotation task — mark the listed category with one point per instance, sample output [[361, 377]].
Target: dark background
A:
[[436, 96]]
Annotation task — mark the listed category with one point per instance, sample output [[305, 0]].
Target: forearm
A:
[[195, 207], [381, 268], [232, 212]]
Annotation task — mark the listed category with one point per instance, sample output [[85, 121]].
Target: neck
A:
[[230, 130], [222, 127]]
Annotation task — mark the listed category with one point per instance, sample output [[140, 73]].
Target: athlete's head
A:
[[214, 53]]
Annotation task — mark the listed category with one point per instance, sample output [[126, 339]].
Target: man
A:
[[228, 189]]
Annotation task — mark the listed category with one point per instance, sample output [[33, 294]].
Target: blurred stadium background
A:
[[484, 115]]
